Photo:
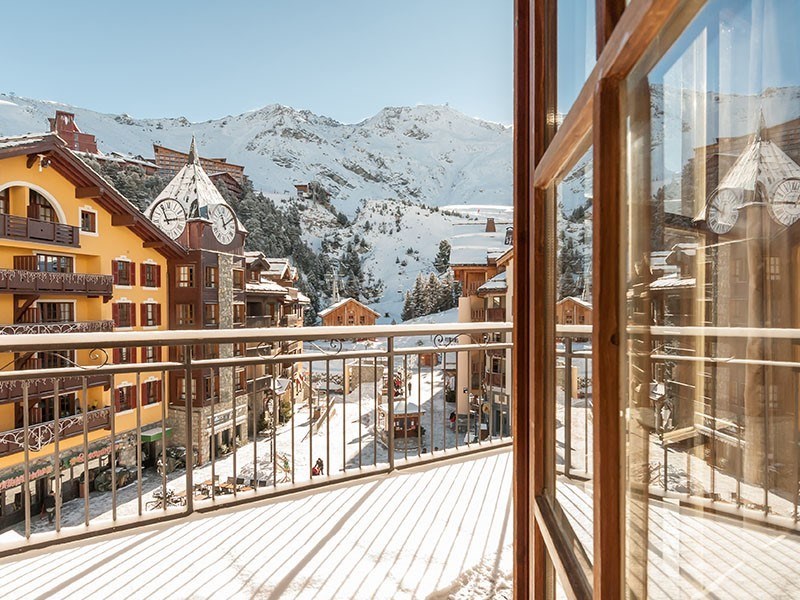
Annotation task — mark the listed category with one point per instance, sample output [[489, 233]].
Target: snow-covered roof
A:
[[302, 298], [673, 281], [577, 300], [264, 286], [193, 188], [342, 302], [498, 283], [476, 248], [21, 140]]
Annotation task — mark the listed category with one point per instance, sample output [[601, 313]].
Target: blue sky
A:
[[346, 59]]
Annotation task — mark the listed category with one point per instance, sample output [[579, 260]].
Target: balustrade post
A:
[[188, 402], [390, 400]]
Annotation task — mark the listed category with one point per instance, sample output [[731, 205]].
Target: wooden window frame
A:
[[541, 156], [118, 273], [151, 275]]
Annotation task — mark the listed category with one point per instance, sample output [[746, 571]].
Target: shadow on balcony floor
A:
[[435, 530]]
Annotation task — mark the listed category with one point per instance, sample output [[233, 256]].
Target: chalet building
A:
[[207, 291], [75, 256], [474, 262], [63, 124], [573, 311], [272, 301], [171, 162], [348, 311], [497, 294]]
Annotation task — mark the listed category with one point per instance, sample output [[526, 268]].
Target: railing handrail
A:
[[191, 337]]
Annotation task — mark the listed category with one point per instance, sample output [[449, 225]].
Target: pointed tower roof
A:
[[761, 162], [193, 188]]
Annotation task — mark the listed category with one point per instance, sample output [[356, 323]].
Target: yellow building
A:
[[75, 256]]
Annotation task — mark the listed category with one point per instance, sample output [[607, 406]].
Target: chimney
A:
[[490, 228], [509, 236]]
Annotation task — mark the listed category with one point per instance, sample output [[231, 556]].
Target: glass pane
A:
[[713, 175], [573, 364], [576, 49]]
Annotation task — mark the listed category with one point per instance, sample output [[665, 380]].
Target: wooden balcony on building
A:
[[11, 391], [496, 315], [43, 434], [18, 281], [260, 321], [38, 231]]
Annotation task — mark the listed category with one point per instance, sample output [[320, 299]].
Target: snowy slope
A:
[[428, 154]]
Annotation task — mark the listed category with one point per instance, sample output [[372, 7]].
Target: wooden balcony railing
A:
[[11, 391], [33, 282], [43, 434], [260, 321], [496, 315], [35, 230], [291, 321]]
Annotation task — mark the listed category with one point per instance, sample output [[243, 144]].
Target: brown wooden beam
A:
[[606, 337], [638, 26], [521, 393], [92, 191], [607, 15], [123, 220], [154, 244]]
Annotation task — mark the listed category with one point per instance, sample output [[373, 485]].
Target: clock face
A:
[[785, 204], [170, 217], [223, 223], [723, 211]]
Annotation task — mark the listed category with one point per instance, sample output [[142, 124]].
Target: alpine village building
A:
[[59, 273], [77, 256]]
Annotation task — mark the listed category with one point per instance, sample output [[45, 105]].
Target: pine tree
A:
[[442, 261]]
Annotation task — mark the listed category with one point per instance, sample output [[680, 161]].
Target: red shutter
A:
[[158, 275], [133, 314], [115, 272], [133, 273], [158, 353], [159, 386], [117, 357], [143, 273], [115, 313], [132, 355], [143, 309], [116, 399], [158, 314], [134, 398]]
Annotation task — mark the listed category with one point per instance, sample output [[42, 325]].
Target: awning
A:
[[154, 434]]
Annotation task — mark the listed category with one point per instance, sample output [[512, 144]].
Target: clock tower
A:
[[206, 292]]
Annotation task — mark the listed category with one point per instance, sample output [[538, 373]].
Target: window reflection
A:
[[713, 137]]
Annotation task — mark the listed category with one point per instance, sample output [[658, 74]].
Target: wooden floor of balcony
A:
[[414, 533]]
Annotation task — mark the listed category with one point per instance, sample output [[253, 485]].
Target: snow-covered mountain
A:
[[431, 155]]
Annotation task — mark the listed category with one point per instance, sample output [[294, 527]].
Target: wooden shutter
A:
[[132, 272], [159, 388], [158, 315], [143, 310], [115, 271], [117, 356], [158, 275], [134, 397], [115, 313], [133, 314], [116, 399], [143, 273]]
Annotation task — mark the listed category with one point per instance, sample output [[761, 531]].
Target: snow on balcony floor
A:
[[436, 530]]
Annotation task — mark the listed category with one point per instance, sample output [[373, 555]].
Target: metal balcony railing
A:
[[344, 402]]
